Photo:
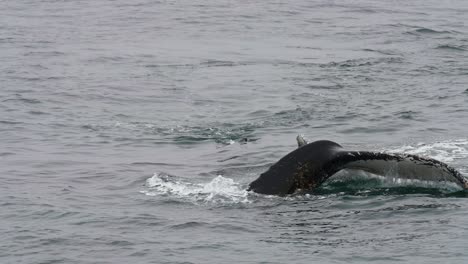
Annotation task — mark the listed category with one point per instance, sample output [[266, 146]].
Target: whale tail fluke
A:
[[398, 165], [312, 163]]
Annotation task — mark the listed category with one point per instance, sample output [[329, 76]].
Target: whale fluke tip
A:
[[301, 141]]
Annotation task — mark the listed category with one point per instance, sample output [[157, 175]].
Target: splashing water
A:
[[219, 190], [446, 151], [452, 152]]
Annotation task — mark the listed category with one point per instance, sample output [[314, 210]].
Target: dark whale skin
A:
[[296, 169]]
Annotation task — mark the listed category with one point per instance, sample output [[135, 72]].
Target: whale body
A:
[[313, 163]]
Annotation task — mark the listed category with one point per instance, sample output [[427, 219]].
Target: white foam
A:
[[218, 190], [446, 151]]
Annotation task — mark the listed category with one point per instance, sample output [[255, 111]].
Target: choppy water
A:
[[130, 130]]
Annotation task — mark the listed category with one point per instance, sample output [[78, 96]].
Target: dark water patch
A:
[[37, 113], [225, 63], [369, 130], [153, 163], [38, 79], [451, 47], [443, 97], [92, 127], [459, 194], [70, 95], [428, 31], [141, 253], [259, 113], [217, 63], [92, 221], [44, 53], [348, 116], [232, 228], [303, 97], [144, 220], [7, 40], [362, 62], [388, 52], [25, 237], [431, 69], [121, 243], [326, 87], [53, 241], [304, 47], [8, 122], [188, 65], [410, 115], [437, 129], [108, 59], [53, 214], [24, 100], [366, 10], [188, 225], [54, 261], [226, 159]]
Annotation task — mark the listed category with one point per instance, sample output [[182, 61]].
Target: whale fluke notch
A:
[[312, 163]]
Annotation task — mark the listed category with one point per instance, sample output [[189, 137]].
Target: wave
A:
[[447, 151], [428, 31], [450, 47]]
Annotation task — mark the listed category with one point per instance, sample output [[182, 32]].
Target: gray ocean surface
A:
[[130, 130]]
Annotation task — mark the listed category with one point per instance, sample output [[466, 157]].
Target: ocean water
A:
[[130, 130]]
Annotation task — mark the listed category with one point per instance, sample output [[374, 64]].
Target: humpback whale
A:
[[311, 164]]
